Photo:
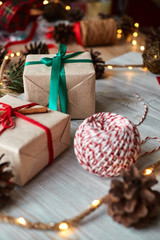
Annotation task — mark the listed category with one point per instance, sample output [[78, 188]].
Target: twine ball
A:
[[107, 143], [151, 57]]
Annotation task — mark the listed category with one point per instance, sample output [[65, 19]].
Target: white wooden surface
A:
[[64, 189]]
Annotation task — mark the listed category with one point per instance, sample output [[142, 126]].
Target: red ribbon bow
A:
[[7, 122]]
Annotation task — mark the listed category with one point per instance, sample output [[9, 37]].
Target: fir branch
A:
[[14, 78]]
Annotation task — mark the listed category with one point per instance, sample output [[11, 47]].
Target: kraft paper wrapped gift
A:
[[25, 146], [80, 83]]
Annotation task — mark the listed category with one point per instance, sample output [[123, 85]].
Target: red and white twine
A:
[[107, 143]]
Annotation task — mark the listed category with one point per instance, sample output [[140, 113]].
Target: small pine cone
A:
[[132, 202], [3, 52], [127, 25], [63, 33], [98, 63], [5, 185], [36, 48], [75, 15]]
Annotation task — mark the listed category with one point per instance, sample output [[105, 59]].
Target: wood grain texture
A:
[[64, 189]]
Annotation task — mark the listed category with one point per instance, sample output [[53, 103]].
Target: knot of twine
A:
[[107, 143], [98, 33], [6, 118]]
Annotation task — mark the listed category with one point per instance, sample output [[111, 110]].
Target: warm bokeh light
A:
[[119, 30], [1, 3], [109, 67], [119, 35], [6, 57], [145, 69], [135, 34], [63, 226], [18, 54], [142, 48], [95, 203], [12, 54], [130, 68], [67, 7], [134, 42], [45, 2], [21, 221], [147, 171], [155, 56], [136, 25]]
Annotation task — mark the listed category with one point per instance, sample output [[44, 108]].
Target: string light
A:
[[67, 7], [119, 30], [6, 57], [134, 42], [95, 202], [148, 171], [135, 34], [1, 3], [119, 35], [63, 226], [45, 2], [109, 67], [142, 48], [130, 68], [12, 55], [136, 25], [18, 54], [21, 221]]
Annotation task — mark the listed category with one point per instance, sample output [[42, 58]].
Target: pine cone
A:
[[36, 48], [5, 185], [132, 202], [98, 63], [63, 33], [2, 53], [75, 15], [127, 25]]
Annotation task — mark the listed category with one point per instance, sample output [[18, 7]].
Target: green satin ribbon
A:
[[58, 79]]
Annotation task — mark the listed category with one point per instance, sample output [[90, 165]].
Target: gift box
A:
[[79, 79], [34, 141]]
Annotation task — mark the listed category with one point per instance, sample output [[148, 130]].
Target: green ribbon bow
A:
[[58, 79]]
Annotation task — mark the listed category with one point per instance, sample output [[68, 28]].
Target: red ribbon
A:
[[26, 40], [77, 32], [7, 122], [158, 79]]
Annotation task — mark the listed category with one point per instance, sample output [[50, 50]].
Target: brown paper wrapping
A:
[[25, 145], [80, 81]]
